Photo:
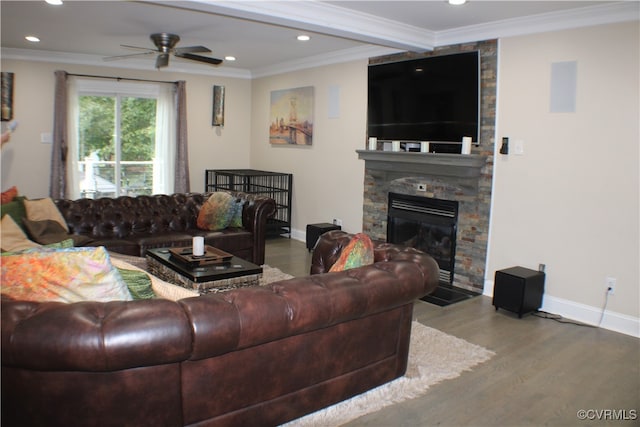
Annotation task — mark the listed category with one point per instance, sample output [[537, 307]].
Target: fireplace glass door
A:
[[427, 224]]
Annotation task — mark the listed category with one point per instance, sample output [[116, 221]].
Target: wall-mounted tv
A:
[[434, 99]]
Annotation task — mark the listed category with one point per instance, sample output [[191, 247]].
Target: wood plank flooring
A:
[[543, 372]]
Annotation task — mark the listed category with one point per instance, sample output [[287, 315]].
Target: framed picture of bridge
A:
[[291, 120]]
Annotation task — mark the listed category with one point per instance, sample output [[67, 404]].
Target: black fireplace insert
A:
[[430, 225]]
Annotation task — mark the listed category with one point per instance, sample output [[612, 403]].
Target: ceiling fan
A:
[[165, 45]]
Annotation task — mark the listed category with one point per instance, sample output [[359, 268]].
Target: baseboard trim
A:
[[590, 315]]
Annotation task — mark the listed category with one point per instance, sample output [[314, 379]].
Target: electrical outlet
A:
[[337, 221], [611, 285]]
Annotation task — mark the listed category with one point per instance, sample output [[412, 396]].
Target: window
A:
[[121, 139]]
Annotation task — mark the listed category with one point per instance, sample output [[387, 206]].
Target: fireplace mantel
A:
[[458, 169]]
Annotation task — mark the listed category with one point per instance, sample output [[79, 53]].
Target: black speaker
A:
[[518, 289], [314, 231]]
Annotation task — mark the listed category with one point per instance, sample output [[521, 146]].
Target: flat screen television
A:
[[435, 99]]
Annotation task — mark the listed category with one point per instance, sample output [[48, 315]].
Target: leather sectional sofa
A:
[[131, 225], [257, 356]]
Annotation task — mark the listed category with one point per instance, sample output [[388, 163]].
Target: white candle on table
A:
[[198, 246]]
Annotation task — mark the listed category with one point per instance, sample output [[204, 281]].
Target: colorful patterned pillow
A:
[[9, 195], [236, 219], [216, 213], [66, 275], [357, 253]]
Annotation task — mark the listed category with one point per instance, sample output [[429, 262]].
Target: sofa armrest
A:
[[330, 246], [255, 213]]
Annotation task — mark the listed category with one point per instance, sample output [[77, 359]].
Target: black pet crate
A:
[[271, 184]]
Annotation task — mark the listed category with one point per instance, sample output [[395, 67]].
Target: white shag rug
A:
[[433, 357]]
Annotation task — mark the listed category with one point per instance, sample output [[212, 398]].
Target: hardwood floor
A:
[[543, 372]]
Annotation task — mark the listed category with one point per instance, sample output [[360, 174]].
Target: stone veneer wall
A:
[[474, 205]]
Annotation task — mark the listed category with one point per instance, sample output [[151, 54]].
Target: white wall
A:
[[26, 161], [571, 200], [328, 178]]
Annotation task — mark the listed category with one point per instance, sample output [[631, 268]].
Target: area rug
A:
[[272, 274], [433, 357]]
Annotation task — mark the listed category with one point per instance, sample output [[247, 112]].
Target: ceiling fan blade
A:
[[207, 59], [192, 49], [137, 47], [131, 55], [162, 60]]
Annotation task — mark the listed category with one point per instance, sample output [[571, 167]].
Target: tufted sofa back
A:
[[127, 216]]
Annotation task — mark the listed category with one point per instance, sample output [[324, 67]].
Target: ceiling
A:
[[262, 34]]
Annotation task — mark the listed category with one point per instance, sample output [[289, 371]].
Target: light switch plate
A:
[[518, 147], [46, 138]]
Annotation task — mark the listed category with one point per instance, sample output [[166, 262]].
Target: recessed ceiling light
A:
[[32, 39], [303, 38], [230, 58], [457, 2], [54, 2]]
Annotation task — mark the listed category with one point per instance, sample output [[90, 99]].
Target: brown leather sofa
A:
[[255, 356], [131, 225]]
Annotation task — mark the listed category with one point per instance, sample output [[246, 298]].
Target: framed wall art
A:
[[218, 106], [291, 120], [6, 107]]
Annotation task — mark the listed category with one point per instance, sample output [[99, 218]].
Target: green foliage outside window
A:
[[97, 131]]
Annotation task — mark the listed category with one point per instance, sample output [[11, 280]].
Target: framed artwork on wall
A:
[[218, 106], [6, 107], [291, 119]]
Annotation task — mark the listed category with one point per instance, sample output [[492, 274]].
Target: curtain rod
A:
[[120, 78]]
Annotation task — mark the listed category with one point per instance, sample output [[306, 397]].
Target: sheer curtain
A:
[[165, 150]]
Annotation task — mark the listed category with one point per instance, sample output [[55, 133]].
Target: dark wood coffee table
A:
[[211, 278]]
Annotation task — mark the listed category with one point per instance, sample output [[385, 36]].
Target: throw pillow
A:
[[216, 213], [8, 195], [357, 253], [66, 275], [41, 209], [16, 209], [46, 231], [12, 238], [160, 288], [236, 219], [64, 244], [138, 283]]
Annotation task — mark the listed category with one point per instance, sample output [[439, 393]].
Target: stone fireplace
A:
[[464, 179]]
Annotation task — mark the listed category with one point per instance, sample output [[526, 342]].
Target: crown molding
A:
[[340, 56], [545, 22], [131, 64], [337, 57]]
